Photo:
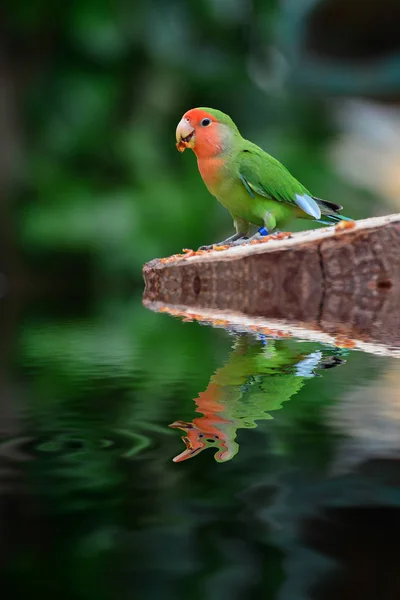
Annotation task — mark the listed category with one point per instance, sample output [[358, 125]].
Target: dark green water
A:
[[287, 484]]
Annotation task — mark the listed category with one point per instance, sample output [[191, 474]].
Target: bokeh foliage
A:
[[104, 84]]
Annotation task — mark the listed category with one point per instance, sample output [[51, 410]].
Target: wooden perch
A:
[[343, 281]]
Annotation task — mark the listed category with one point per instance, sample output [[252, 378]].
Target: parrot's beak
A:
[[192, 443], [185, 135]]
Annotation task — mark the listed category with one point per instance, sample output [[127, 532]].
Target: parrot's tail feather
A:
[[329, 219], [329, 206], [330, 212]]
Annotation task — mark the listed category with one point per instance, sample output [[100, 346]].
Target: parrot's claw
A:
[[243, 240], [234, 240], [238, 239]]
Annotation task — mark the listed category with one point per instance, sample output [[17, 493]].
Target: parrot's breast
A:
[[212, 171]]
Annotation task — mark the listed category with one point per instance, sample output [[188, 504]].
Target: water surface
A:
[[146, 457]]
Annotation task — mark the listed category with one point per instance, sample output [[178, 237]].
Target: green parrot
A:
[[254, 187]]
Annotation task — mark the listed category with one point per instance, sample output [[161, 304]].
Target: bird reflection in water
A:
[[258, 377]]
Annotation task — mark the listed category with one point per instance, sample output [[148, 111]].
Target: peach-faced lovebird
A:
[[254, 187]]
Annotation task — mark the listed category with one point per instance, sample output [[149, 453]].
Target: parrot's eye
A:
[[205, 122]]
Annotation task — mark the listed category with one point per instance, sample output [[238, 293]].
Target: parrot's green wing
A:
[[262, 174]]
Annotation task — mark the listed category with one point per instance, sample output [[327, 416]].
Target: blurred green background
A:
[[92, 92]]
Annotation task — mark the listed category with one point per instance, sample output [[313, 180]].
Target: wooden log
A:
[[341, 280]]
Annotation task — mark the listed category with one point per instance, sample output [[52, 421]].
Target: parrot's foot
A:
[[240, 241], [261, 234], [234, 240]]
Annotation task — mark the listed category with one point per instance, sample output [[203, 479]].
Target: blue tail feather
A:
[[333, 219]]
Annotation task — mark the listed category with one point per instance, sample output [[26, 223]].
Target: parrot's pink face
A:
[[201, 132], [202, 434]]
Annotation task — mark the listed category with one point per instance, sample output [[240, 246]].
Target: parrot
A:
[[252, 185]]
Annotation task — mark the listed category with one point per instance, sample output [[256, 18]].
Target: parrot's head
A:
[[198, 437], [206, 131]]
